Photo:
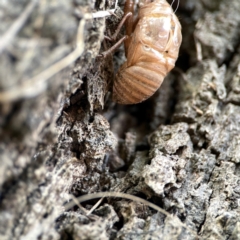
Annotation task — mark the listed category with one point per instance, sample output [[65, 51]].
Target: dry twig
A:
[[7, 38], [37, 84], [126, 196]]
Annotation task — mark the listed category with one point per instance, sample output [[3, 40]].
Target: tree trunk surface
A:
[[62, 137]]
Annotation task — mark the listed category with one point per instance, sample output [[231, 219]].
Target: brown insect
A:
[[151, 49]]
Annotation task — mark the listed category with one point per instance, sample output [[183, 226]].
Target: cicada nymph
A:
[[152, 50]]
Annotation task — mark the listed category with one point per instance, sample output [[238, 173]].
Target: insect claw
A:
[[108, 38]]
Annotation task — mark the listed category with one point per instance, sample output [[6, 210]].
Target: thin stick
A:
[[78, 204], [37, 84], [95, 206], [7, 38], [101, 14], [127, 196]]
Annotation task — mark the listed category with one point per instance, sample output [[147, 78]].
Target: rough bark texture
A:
[[63, 137]]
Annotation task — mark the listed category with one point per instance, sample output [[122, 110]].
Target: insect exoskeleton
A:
[[152, 52]]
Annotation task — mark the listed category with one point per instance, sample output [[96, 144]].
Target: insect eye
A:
[[146, 47]]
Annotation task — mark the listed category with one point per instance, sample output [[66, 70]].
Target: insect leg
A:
[[113, 48], [114, 36], [128, 8], [124, 20], [128, 21]]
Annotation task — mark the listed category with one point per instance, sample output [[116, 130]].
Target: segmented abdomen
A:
[[136, 83]]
